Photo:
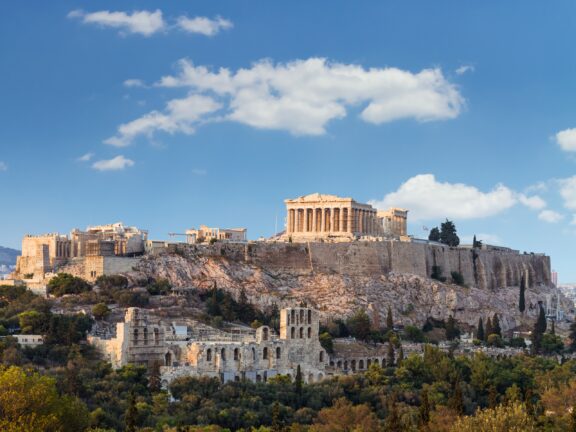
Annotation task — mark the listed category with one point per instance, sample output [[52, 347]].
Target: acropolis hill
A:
[[336, 254]]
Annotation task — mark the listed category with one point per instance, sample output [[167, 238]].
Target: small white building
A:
[[29, 340], [206, 234]]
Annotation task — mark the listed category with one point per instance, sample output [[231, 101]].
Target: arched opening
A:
[[258, 378], [145, 336], [346, 365], [236, 354], [320, 376], [309, 316], [265, 353], [309, 332], [223, 354], [209, 355], [301, 316], [383, 362], [368, 362], [265, 333], [253, 354], [292, 315], [353, 365], [292, 332], [361, 364], [278, 353], [156, 336], [265, 376], [310, 378], [168, 359], [301, 332], [339, 364], [135, 336], [321, 356]]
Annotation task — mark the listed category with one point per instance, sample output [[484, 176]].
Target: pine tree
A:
[[434, 235], [451, 331], [522, 300], [496, 325], [390, 355], [488, 331], [131, 414], [480, 330], [389, 319], [424, 409], [448, 234]]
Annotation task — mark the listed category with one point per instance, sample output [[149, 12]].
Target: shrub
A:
[[413, 334], [437, 274], [65, 283], [100, 311], [495, 340], [457, 278], [159, 287]]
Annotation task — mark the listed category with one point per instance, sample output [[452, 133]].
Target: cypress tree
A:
[[400, 356], [298, 381], [424, 409], [390, 356], [538, 330], [542, 323], [522, 300], [488, 330], [496, 325], [131, 414], [480, 330], [451, 331], [474, 241], [389, 319]]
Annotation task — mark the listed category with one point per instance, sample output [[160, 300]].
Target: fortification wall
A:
[[485, 269]]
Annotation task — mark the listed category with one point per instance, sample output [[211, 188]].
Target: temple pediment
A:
[[318, 197]]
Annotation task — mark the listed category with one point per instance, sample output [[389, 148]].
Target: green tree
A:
[[538, 331], [572, 336], [326, 342], [551, 343], [434, 234], [489, 330], [476, 244], [424, 408], [298, 381], [64, 283], [456, 402], [480, 330], [452, 332], [359, 325], [389, 319], [131, 415], [505, 418], [100, 311], [448, 234], [437, 273], [457, 278], [522, 300], [390, 355], [496, 325], [343, 416]]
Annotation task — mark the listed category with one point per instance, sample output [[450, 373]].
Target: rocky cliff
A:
[[339, 278]]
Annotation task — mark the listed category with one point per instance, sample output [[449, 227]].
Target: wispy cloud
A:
[[204, 25], [86, 157], [134, 82], [142, 22], [3, 166], [114, 164], [464, 69], [550, 216], [199, 171]]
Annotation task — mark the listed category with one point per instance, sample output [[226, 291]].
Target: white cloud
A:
[[199, 171], [568, 192], [180, 115], [134, 82], [550, 216], [303, 96], [566, 139], [426, 198], [534, 202], [541, 186], [114, 164], [86, 157], [464, 68], [143, 22], [204, 25], [3, 166]]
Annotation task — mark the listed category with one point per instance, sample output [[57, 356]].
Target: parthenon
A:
[[319, 216]]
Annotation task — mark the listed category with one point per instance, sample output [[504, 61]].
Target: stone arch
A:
[[331, 364], [346, 365], [156, 336], [265, 353], [353, 365], [321, 357], [301, 316], [320, 376], [339, 364], [301, 332], [309, 332], [360, 364], [253, 354], [309, 316], [265, 376], [135, 336], [292, 332], [168, 359], [209, 354], [278, 352], [310, 378], [368, 363], [265, 332], [292, 316], [258, 378], [236, 354], [145, 336], [223, 354], [383, 362]]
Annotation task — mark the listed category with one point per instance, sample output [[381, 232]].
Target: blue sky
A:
[[191, 112]]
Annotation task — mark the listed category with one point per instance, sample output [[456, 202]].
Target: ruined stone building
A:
[[47, 253], [190, 350], [205, 234], [328, 217]]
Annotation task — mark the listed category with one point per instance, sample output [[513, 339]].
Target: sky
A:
[[170, 114]]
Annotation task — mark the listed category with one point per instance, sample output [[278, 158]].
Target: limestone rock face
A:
[[338, 279]]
